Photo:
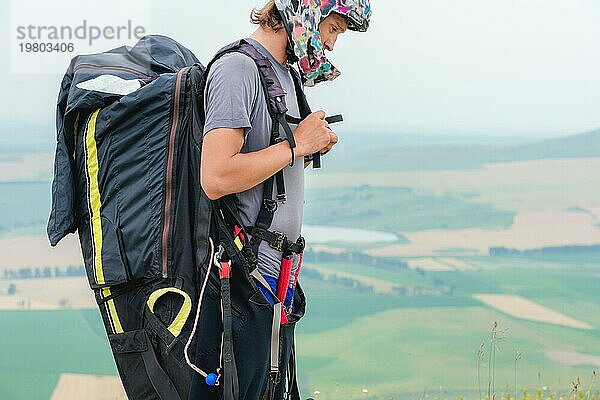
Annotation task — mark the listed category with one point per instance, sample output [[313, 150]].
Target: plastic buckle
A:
[[270, 205], [301, 243], [249, 257], [274, 375], [279, 101], [279, 241], [225, 270], [219, 255]]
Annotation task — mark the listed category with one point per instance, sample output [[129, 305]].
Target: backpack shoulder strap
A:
[[274, 92], [274, 95], [303, 106]]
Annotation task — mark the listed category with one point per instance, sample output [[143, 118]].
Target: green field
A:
[[24, 206], [37, 346], [390, 345], [398, 209], [415, 347]]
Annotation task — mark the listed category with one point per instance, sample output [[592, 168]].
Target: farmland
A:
[[370, 332], [391, 344]]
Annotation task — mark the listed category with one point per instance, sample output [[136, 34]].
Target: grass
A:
[[324, 313], [397, 209], [403, 277], [412, 349], [575, 281], [38, 346], [24, 206], [27, 385], [465, 282], [411, 346]]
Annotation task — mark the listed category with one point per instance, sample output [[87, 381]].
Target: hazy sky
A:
[[502, 67]]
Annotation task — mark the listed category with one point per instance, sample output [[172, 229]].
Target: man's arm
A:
[[224, 170]]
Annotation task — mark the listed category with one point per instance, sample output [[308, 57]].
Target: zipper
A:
[[113, 67], [169, 177], [122, 253]]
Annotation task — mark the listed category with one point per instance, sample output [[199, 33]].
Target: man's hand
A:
[[313, 135], [333, 139]]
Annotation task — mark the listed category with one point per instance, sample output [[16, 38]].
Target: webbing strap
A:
[[275, 338], [276, 321], [230, 378], [333, 119], [293, 392], [161, 382], [268, 206], [287, 129], [158, 327], [281, 196], [177, 324], [305, 111]]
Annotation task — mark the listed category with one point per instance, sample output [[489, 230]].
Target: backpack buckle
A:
[[270, 205], [279, 241]]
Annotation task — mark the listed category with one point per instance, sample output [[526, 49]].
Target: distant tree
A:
[[400, 290], [12, 289], [25, 273], [64, 303]]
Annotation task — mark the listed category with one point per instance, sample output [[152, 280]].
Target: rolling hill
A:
[[413, 153]]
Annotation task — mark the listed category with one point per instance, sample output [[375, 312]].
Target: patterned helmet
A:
[[301, 20]]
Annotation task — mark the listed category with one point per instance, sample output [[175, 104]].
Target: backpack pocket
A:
[[102, 246]]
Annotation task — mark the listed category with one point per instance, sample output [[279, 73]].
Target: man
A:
[[237, 155]]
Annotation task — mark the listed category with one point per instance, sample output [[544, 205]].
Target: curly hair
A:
[[267, 17]]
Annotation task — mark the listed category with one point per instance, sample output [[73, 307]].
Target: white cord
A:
[[187, 345]]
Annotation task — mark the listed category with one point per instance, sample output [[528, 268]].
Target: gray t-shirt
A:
[[234, 98]]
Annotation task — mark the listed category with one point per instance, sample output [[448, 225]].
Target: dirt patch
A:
[[47, 294], [27, 167], [379, 285], [457, 264], [546, 184], [35, 251], [530, 230], [572, 358], [88, 387], [323, 248], [522, 308], [428, 264]]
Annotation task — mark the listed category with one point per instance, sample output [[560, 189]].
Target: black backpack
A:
[[127, 178]]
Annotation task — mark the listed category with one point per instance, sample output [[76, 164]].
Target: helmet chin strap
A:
[[290, 55]]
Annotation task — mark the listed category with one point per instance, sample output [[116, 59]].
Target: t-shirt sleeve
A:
[[231, 92]]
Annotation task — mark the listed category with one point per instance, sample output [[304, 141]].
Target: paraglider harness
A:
[[234, 245]]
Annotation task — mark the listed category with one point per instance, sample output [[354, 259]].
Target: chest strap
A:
[[278, 240]]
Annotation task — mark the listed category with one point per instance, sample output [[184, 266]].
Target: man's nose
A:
[[330, 44]]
